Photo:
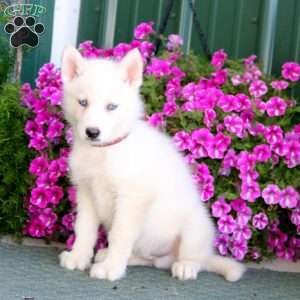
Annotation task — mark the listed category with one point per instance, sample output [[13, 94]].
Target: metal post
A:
[[267, 38], [185, 25], [110, 24]]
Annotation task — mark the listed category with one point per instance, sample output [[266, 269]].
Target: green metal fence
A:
[[234, 25], [34, 58]]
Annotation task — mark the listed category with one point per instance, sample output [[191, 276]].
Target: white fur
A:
[[140, 189]]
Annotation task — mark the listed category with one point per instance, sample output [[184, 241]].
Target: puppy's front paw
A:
[[107, 270], [185, 270], [73, 260]]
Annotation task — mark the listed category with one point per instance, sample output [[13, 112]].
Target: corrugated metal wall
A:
[[235, 25], [34, 58]]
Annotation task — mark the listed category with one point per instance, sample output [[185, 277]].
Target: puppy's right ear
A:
[[72, 64]]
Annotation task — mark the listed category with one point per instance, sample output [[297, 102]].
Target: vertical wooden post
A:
[[19, 58]]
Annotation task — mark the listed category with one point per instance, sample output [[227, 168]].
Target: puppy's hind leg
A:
[[195, 253], [194, 247]]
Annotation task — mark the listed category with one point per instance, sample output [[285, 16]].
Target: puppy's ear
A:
[[132, 68], [72, 64]]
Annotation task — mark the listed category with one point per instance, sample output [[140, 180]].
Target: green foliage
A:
[[14, 158], [7, 54]]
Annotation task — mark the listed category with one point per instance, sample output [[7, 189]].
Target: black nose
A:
[[92, 132]]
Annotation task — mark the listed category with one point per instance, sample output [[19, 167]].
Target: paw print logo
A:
[[24, 31]]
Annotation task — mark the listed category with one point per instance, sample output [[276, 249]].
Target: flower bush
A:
[[235, 126]]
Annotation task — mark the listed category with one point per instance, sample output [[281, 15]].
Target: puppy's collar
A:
[[114, 142]]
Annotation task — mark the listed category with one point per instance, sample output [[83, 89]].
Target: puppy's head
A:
[[101, 97]]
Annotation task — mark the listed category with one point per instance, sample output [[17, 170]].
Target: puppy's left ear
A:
[[131, 67]]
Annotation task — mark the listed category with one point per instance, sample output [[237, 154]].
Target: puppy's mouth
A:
[[98, 143]]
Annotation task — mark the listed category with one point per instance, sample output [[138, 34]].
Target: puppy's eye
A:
[[83, 102], [111, 106]]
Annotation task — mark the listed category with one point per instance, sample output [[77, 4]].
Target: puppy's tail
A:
[[228, 267]]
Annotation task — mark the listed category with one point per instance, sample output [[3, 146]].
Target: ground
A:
[[33, 273]]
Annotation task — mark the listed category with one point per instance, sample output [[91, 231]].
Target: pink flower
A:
[[40, 197], [246, 161], [220, 208], [235, 125], [276, 239], [146, 49], [70, 241], [159, 68], [271, 194], [39, 165], [72, 195], [260, 105], [222, 243], [258, 88], [55, 129], [53, 94], [242, 233], [219, 58], [239, 205], [54, 170], [286, 253], [295, 216], [260, 221], [226, 224], [247, 117], [250, 60], [182, 140], [188, 91], [55, 194], [38, 143], [68, 221], [279, 85], [262, 152], [218, 145], [203, 169], [275, 107], [169, 108], [255, 254], [236, 80], [48, 217], [36, 228], [292, 158], [219, 77], [69, 136], [44, 181], [228, 163], [243, 102], [209, 117], [33, 129], [250, 191], [244, 216], [202, 136], [291, 71], [156, 120], [228, 103], [48, 75], [174, 41], [121, 50], [273, 134], [289, 198], [280, 148], [239, 249], [143, 30]]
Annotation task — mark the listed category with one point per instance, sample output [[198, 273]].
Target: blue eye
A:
[[111, 106], [83, 102]]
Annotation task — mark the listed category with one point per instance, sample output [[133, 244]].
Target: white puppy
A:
[[131, 179]]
